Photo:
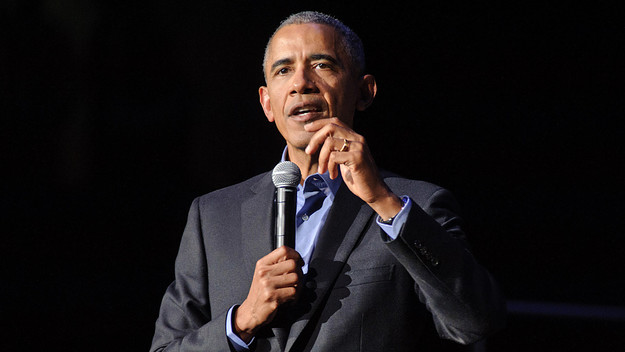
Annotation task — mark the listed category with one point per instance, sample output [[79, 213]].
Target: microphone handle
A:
[[285, 216]]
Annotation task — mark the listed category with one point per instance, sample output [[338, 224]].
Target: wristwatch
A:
[[387, 222], [390, 221]]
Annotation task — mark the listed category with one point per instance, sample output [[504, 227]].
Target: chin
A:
[[299, 144], [300, 140]]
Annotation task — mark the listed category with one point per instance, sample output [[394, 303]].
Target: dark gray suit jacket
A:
[[362, 293]]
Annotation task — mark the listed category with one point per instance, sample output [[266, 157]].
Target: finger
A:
[[284, 267], [278, 255], [286, 294], [286, 280], [319, 124], [333, 165], [329, 130], [327, 148], [319, 138]]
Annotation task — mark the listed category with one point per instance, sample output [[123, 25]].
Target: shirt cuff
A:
[[393, 229], [238, 344]]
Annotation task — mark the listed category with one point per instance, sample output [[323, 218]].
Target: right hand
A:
[[276, 280]]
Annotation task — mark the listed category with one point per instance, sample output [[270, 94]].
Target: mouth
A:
[[305, 112]]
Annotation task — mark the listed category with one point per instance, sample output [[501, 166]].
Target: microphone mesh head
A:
[[286, 174]]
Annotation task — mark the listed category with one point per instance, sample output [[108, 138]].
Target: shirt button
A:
[[305, 217]]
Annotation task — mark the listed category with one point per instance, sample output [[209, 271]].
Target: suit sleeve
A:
[[185, 321], [463, 298]]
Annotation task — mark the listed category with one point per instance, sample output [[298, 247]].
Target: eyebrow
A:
[[281, 62], [332, 59], [313, 57]]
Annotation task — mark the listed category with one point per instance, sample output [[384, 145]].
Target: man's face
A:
[[308, 78]]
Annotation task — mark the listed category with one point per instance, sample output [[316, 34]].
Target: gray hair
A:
[[349, 40]]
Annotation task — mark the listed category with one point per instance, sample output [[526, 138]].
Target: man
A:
[[376, 259]]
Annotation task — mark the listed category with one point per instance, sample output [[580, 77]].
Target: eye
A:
[[282, 71], [322, 66]]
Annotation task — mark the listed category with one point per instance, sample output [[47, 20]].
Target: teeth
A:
[[303, 111]]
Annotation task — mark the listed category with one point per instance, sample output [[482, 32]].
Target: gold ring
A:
[[345, 146]]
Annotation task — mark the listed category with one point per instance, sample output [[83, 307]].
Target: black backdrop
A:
[[116, 114]]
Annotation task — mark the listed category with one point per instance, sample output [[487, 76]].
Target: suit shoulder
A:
[[428, 196], [420, 191], [396, 182], [236, 191]]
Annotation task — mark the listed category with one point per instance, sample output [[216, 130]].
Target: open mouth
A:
[[305, 110]]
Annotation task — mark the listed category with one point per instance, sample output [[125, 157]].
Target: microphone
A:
[[286, 176]]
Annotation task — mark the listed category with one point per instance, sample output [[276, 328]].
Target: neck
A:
[[307, 163]]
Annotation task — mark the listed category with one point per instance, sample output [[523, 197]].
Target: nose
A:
[[303, 82]]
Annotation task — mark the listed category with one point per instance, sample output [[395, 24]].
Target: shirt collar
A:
[[326, 184]]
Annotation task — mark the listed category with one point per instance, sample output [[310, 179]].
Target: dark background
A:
[[116, 114]]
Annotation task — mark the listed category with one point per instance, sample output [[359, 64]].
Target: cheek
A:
[[341, 103], [277, 101]]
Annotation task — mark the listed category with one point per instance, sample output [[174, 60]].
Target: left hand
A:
[[357, 166]]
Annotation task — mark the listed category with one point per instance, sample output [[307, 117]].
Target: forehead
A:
[[302, 40]]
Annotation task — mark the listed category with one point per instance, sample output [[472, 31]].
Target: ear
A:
[[265, 102], [368, 90]]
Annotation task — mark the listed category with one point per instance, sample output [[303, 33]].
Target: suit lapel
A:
[[257, 222], [349, 216]]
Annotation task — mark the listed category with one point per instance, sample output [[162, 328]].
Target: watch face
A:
[[387, 222]]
